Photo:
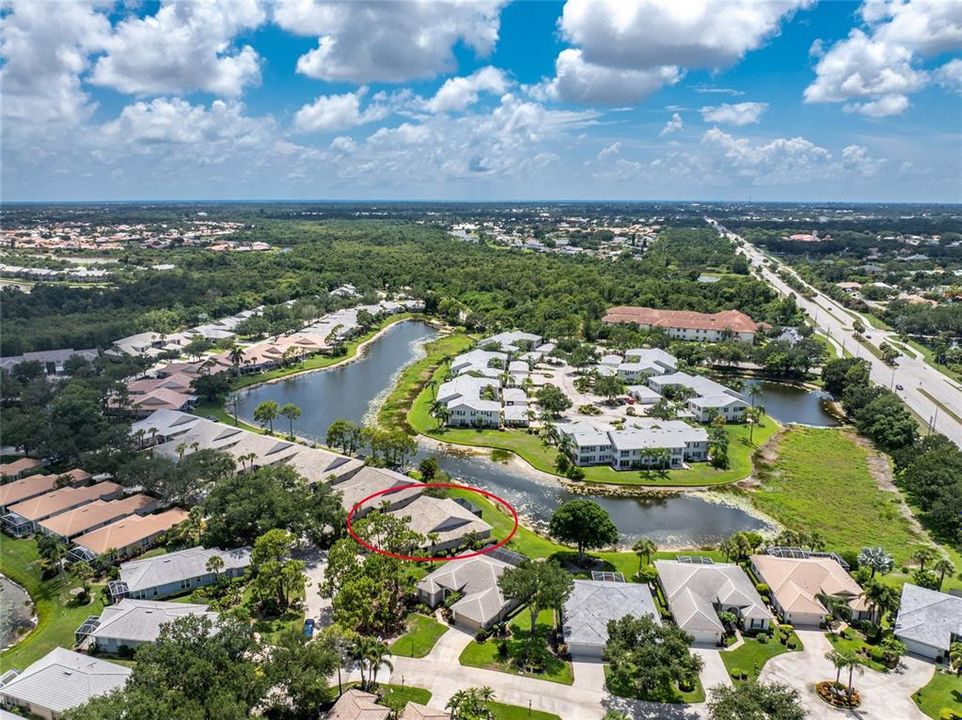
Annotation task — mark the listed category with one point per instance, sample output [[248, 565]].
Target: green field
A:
[[855, 644], [423, 632], [485, 655], [944, 692], [750, 657], [542, 456], [58, 617], [500, 711], [820, 482], [397, 696]]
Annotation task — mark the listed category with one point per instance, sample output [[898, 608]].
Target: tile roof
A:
[[130, 530], [685, 319], [357, 705], [796, 582], [28, 487], [75, 522], [51, 503], [63, 679]]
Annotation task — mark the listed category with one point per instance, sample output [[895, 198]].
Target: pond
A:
[[16, 611], [792, 404], [354, 391]]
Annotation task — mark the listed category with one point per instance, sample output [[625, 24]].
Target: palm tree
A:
[[880, 597], [369, 653], [923, 555], [84, 573], [440, 412], [839, 660], [265, 414], [875, 558], [236, 354], [644, 549], [471, 704], [943, 566], [215, 563], [853, 665], [291, 412]]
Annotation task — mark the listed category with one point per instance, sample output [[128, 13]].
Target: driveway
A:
[[885, 696], [315, 564], [714, 673]]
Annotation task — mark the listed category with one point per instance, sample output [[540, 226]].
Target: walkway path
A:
[[885, 696], [714, 673], [315, 565]]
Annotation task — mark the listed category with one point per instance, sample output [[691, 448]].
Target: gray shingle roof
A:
[[139, 621], [63, 679], [477, 578], [594, 603], [928, 617], [177, 566]]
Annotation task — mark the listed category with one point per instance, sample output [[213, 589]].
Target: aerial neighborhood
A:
[[380, 499]]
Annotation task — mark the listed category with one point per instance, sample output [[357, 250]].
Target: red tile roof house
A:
[[16, 469], [24, 517], [127, 537], [687, 324]]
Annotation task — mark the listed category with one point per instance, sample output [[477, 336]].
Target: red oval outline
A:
[[430, 558]]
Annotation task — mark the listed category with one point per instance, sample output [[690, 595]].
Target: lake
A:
[[16, 611], [354, 391], [792, 404]]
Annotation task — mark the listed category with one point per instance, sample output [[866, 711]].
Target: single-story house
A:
[[417, 711], [513, 341], [24, 517], [369, 480], [355, 704], [482, 604], [127, 537], [643, 394], [130, 623], [181, 571], [516, 415], [928, 621], [696, 595], [17, 491], [91, 516], [449, 521], [593, 603], [17, 468], [59, 681], [798, 586], [514, 396], [658, 360]]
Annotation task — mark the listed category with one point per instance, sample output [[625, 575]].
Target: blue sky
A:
[[487, 100]]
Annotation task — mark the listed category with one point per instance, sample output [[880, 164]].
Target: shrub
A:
[[736, 673], [762, 638], [791, 645], [686, 684], [763, 589]]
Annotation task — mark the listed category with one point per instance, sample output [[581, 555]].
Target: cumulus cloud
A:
[[608, 151], [577, 80], [186, 46], [43, 60], [774, 162], [176, 121], [673, 125], [857, 158], [643, 45], [458, 93], [875, 70], [363, 42], [745, 113], [950, 75], [338, 112]]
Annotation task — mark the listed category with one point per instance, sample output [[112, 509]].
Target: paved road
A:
[[315, 564], [885, 696], [912, 373]]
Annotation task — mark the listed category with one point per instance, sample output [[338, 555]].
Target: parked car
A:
[[899, 387], [309, 628]]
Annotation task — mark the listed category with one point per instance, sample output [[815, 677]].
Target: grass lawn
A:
[[855, 643], [485, 655], [820, 482], [423, 632], [397, 696], [944, 692], [532, 449], [500, 711], [674, 696], [750, 657], [57, 615]]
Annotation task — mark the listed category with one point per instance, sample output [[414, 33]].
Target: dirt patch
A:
[[879, 465], [763, 460]]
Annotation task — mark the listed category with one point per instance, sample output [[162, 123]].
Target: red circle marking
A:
[[426, 558]]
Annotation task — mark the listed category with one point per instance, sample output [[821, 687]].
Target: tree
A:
[[52, 550], [540, 585], [880, 597], [429, 468], [390, 448], [662, 410], [584, 523], [196, 669], [923, 556], [877, 559], [265, 414], [84, 573], [291, 412], [955, 657], [644, 548], [718, 446], [299, 668], [211, 387], [471, 704], [552, 400], [943, 566], [276, 577], [753, 700], [440, 412], [215, 565], [236, 355], [609, 387], [370, 654], [345, 436], [858, 327], [648, 657]]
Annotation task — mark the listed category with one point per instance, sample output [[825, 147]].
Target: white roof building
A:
[[172, 569], [593, 603], [476, 578], [130, 623], [513, 341], [60, 681], [929, 621]]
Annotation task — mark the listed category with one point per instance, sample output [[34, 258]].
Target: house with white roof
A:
[[177, 572], [643, 442], [60, 681], [697, 593], [592, 604], [474, 412], [707, 396], [514, 341], [479, 361], [446, 523], [130, 623], [660, 361], [482, 603], [929, 621]]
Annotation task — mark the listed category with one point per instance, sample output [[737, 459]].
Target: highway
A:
[[915, 381]]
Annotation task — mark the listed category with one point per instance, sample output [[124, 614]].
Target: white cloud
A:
[[365, 42], [856, 157], [186, 46], [745, 113], [643, 45], [176, 121], [876, 69], [950, 75], [577, 80], [43, 60], [338, 112], [608, 151], [673, 125], [773, 162], [458, 93]]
